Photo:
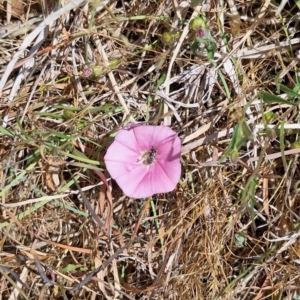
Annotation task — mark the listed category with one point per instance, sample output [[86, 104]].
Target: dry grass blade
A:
[[48, 21], [103, 266]]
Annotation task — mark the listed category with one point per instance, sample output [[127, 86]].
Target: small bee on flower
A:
[[149, 157]]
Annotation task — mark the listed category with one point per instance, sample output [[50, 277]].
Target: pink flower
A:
[[145, 160], [201, 32]]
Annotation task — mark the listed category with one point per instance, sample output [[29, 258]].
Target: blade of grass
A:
[[6, 132], [281, 139], [80, 156], [269, 98], [17, 179]]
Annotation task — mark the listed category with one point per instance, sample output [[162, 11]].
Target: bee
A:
[[149, 157]]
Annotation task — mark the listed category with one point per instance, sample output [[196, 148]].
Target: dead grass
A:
[[71, 77]]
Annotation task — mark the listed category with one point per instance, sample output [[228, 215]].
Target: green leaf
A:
[[269, 116], [239, 240], [80, 156], [234, 155], [6, 131], [290, 92], [160, 81], [70, 268], [270, 98], [195, 45], [47, 114], [211, 49]]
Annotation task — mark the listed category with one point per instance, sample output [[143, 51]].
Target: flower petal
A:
[[144, 136], [120, 160], [165, 134], [168, 174], [137, 188], [169, 149], [127, 138]]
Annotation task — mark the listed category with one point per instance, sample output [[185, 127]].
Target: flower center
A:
[[148, 158]]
